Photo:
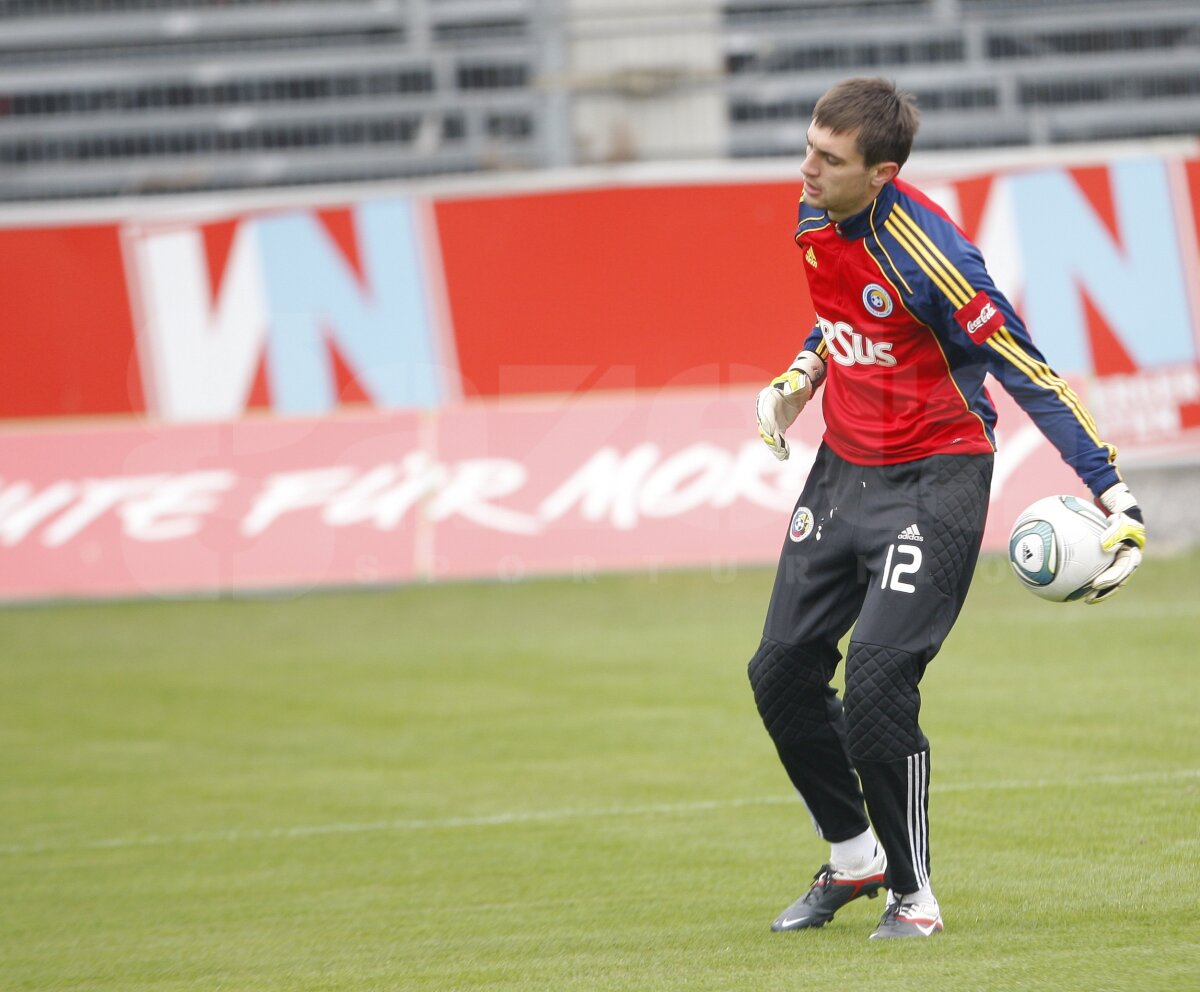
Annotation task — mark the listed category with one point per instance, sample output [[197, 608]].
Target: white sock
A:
[[924, 894], [853, 854]]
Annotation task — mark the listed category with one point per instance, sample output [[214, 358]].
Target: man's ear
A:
[[883, 173]]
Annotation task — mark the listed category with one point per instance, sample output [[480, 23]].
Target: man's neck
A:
[[843, 215]]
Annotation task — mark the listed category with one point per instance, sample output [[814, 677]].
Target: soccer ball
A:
[[1055, 548]]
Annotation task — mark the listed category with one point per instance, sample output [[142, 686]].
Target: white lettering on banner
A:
[[669, 493], [623, 488], [151, 508], [199, 354], [176, 506], [387, 492], [1147, 404], [287, 492], [604, 486], [96, 498], [477, 481], [745, 478], [610, 487], [21, 511]]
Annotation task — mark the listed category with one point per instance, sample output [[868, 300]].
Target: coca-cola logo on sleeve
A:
[[980, 317]]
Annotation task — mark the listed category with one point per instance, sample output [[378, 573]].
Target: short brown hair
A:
[[886, 118]]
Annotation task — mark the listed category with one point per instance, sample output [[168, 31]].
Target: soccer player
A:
[[886, 532]]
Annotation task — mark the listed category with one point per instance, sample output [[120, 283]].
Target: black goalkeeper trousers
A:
[[889, 550]]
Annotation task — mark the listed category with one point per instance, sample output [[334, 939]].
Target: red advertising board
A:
[[393, 388], [67, 343], [397, 302], [496, 490], [623, 288]]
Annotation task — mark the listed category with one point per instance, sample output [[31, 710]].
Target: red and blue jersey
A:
[[909, 324]]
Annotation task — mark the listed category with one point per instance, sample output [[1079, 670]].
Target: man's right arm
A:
[[780, 402]]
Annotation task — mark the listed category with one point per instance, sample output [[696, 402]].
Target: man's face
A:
[[836, 179]]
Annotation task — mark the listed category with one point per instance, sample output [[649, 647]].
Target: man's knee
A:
[[791, 690], [883, 703]]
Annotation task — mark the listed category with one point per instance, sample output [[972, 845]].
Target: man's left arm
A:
[[977, 315]]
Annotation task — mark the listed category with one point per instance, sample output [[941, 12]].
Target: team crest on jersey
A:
[[802, 524], [876, 300]]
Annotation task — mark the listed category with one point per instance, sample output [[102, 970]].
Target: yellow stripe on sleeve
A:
[[931, 247], [1040, 373], [959, 292], [887, 255], [927, 263]]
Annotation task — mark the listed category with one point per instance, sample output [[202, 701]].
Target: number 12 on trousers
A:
[[902, 559]]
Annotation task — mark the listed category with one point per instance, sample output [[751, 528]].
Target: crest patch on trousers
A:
[[802, 524]]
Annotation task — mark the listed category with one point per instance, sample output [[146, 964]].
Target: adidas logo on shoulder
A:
[[910, 533]]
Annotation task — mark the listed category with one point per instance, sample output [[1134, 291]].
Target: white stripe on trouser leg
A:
[[816, 825], [918, 823]]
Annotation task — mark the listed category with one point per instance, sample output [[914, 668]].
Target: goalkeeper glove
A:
[[780, 403], [1126, 532]]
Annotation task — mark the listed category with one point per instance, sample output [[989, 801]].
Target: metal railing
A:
[[120, 97]]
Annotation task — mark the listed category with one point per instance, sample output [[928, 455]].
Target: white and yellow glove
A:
[[780, 403], [1127, 533]]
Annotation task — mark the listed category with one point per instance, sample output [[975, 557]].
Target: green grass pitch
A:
[[564, 785]]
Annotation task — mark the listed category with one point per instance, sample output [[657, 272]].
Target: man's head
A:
[[861, 134]]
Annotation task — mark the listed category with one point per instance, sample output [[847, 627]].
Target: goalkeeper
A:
[[887, 529]]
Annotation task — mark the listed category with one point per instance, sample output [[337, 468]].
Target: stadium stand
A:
[[129, 97], [141, 96], [987, 73]]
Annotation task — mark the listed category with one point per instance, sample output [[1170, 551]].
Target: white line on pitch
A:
[[553, 815]]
